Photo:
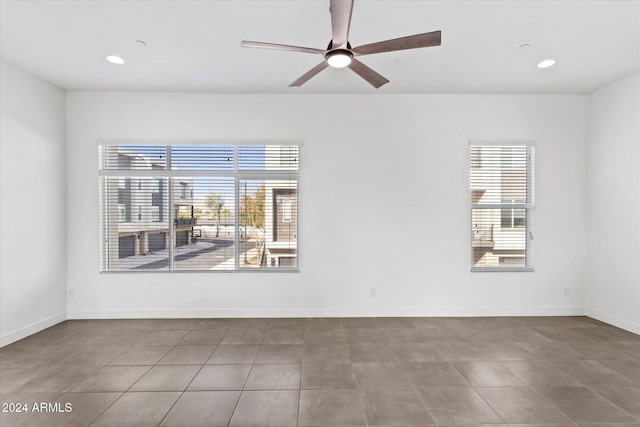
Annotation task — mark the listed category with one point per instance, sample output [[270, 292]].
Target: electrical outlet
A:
[[566, 292], [373, 292]]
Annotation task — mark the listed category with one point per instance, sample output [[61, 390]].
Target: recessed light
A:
[[524, 46], [546, 63], [114, 59], [141, 43]]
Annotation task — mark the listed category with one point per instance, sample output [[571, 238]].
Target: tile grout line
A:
[[611, 402], [245, 382], [98, 370], [364, 412], [123, 393], [586, 386], [136, 381], [300, 383], [555, 406], [472, 387], [194, 377]]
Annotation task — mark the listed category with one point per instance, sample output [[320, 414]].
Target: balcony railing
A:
[[483, 236], [182, 222]]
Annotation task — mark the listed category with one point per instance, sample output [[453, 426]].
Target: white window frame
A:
[[238, 174], [528, 206]]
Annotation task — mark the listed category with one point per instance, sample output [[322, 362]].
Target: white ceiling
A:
[[195, 45]]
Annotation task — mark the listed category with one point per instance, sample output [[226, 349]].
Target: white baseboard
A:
[[327, 312], [614, 320], [31, 329]]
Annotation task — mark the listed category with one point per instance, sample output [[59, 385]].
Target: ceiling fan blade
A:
[[275, 46], [402, 43], [340, 22], [306, 76], [367, 73]]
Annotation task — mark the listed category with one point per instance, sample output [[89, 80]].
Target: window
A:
[[512, 218], [200, 208], [155, 213], [286, 210], [502, 207], [155, 186], [183, 190], [122, 213]]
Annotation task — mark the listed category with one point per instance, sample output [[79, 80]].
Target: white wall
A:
[[384, 203], [32, 204], [614, 203]]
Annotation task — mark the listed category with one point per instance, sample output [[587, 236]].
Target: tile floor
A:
[[561, 371]]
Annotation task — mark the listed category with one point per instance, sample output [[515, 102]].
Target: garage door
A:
[[126, 246], [182, 238], [157, 241], [287, 261]]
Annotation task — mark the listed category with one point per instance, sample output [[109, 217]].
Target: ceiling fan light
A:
[[339, 58]]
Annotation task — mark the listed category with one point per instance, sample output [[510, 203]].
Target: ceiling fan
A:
[[340, 54]]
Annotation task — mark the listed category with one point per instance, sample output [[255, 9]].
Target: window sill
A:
[[502, 270], [257, 270]]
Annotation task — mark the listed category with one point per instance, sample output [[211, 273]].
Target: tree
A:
[[259, 198], [252, 208], [215, 204], [252, 212]]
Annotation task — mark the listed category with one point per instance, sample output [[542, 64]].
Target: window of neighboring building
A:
[[286, 210], [200, 208], [122, 213], [155, 186], [155, 213], [512, 218], [502, 207]]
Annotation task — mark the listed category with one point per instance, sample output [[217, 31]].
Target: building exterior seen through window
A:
[[199, 208], [502, 207], [122, 213]]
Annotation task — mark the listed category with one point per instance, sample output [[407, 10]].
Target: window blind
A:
[[133, 157], [198, 157], [268, 157], [199, 207], [502, 207]]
